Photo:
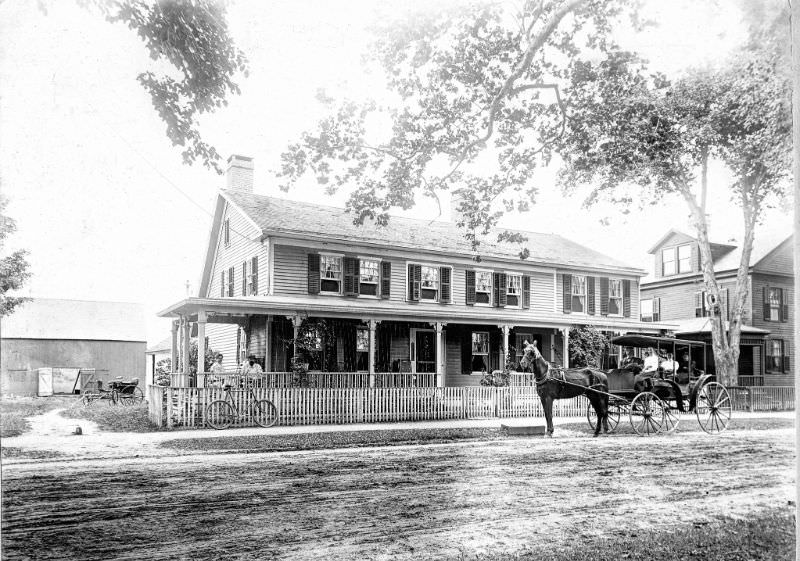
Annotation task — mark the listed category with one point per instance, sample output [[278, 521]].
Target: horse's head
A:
[[533, 358]]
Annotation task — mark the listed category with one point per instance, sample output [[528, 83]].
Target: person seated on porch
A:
[[251, 367], [650, 361], [216, 366]]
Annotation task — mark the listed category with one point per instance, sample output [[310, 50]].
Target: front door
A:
[[423, 351]]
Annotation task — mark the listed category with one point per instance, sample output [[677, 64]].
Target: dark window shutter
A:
[[604, 296], [765, 299], [386, 279], [470, 276], [495, 289], [526, 291], [231, 280], [567, 289], [590, 295], [351, 276], [313, 273], [466, 352], [786, 364], [501, 289], [784, 306], [626, 298], [698, 304], [656, 309], [244, 278], [222, 284], [254, 267], [414, 281], [444, 285]]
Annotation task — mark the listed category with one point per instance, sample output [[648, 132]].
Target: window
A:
[[480, 351], [362, 349], [252, 277], [514, 290], [775, 355], [615, 297], [230, 281], [668, 261], [227, 232], [578, 293], [483, 287], [646, 309], [330, 274], [429, 287], [685, 259], [369, 275], [775, 299]]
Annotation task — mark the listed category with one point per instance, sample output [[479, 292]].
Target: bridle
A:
[[531, 348]]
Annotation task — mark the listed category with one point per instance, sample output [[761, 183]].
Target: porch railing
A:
[[751, 381], [332, 380]]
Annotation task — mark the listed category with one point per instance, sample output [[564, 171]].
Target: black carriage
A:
[[119, 391], [653, 400]]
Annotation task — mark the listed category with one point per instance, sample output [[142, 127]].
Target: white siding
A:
[[241, 248]]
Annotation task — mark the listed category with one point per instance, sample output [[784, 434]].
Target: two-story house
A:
[[407, 297], [675, 293]]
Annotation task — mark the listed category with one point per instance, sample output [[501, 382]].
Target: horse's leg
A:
[[547, 403], [604, 403], [597, 405]]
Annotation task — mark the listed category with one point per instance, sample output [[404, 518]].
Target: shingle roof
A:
[[274, 215], [50, 318]]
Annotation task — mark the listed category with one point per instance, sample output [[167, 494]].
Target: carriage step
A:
[[523, 430]]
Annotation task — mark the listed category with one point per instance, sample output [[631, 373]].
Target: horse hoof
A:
[[596, 434]]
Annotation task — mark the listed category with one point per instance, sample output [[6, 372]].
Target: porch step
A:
[[523, 430]]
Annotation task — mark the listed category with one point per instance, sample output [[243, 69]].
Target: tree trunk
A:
[[726, 365]]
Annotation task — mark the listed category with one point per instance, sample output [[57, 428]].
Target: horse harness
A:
[[559, 375]]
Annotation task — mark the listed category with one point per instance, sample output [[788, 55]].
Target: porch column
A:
[[187, 336], [552, 346], [296, 321], [173, 350], [506, 330], [268, 354], [201, 343], [565, 335], [373, 324], [439, 354]]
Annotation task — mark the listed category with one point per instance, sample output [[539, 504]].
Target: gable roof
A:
[[50, 318], [163, 346], [282, 216]]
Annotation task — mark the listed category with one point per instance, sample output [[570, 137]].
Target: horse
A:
[[565, 384]]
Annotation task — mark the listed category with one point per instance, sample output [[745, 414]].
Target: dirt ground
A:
[[402, 502]]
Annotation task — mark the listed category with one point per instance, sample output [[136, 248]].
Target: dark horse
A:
[[565, 384]]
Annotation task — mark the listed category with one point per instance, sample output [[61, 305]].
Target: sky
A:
[[109, 212]]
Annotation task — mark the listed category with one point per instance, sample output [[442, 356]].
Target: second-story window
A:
[[646, 311], [614, 297], [578, 293], [429, 287], [483, 287], [685, 259], [369, 276], [774, 304], [330, 274], [513, 290], [668, 261]]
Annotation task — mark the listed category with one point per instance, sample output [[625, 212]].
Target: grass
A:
[[323, 440], [13, 452], [14, 412], [765, 536], [113, 418]]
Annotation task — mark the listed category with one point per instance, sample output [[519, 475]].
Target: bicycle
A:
[[221, 413]]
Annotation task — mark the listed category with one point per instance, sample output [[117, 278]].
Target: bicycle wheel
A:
[[264, 413], [219, 414]]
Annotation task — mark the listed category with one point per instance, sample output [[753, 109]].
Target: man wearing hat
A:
[[251, 367]]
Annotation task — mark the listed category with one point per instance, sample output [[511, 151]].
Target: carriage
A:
[[654, 400]]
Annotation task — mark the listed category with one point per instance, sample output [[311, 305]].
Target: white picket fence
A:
[[186, 407]]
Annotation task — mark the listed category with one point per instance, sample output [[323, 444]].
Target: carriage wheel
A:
[[219, 414], [88, 398], [134, 398], [647, 414], [671, 418], [613, 417], [713, 408], [264, 413]]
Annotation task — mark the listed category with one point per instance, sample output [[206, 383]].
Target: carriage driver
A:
[[650, 361]]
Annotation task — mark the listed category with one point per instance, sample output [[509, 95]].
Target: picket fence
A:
[[173, 407]]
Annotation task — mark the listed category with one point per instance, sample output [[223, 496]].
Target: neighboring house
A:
[[675, 293], [156, 353], [408, 297], [104, 339]]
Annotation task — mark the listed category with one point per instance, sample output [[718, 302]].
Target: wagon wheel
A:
[[713, 408], [613, 416], [135, 397], [647, 414], [671, 418], [219, 414], [264, 413]]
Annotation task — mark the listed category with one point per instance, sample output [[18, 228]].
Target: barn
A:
[[64, 343]]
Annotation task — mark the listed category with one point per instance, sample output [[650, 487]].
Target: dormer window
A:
[[675, 260], [685, 259], [668, 261]]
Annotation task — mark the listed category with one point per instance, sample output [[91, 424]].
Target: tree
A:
[[633, 129], [14, 268], [587, 346], [192, 37], [474, 83]]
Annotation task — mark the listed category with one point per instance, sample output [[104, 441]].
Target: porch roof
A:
[[221, 309]]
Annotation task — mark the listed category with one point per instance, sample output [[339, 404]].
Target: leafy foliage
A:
[[587, 346], [473, 88], [162, 374], [14, 268]]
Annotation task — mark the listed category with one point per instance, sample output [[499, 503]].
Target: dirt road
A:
[[395, 502]]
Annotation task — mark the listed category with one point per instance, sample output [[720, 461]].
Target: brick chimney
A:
[[240, 173]]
